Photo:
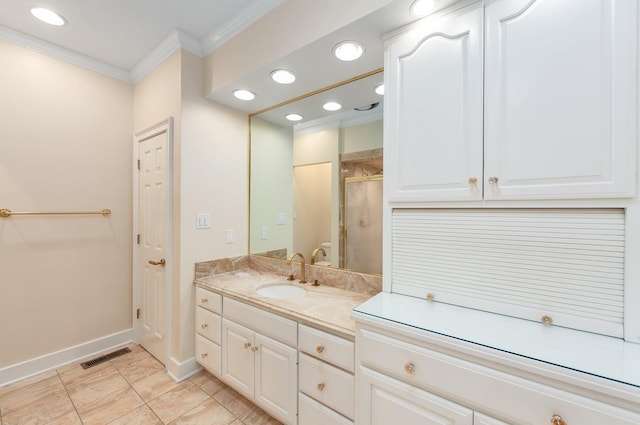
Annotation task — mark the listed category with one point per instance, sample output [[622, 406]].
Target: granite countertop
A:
[[324, 307]]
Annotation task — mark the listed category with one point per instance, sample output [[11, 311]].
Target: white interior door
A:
[[153, 224]]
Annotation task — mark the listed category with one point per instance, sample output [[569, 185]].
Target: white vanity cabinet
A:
[[403, 376], [208, 330], [554, 119], [327, 387], [260, 359]]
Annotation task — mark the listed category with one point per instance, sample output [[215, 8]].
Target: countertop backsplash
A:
[[343, 279]]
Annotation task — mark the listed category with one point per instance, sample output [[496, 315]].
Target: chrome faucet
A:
[[303, 275], [315, 254]]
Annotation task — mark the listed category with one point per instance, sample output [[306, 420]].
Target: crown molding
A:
[[66, 55], [237, 24], [175, 41]]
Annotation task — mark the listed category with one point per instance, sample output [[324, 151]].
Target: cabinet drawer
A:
[[327, 384], [310, 412], [511, 398], [269, 324], [208, 355], [208, 324], [209, 300], [330, 348]]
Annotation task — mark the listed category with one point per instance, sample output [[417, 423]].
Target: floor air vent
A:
[[106, 357]]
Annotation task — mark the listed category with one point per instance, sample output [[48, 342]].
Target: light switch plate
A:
[[281, 218], [229, 235], [264, 233], [203, 221]]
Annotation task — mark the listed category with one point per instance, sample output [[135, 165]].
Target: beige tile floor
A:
[[133, 389]]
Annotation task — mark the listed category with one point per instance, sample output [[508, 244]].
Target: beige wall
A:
[[362, 137], [214, 179], [65, 145]]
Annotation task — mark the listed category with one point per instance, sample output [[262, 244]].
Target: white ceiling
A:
[[128, 38], [119, 34]]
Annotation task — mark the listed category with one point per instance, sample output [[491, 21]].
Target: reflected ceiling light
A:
[[48, 16], [283, 76], [332, 106], [422, 7], [379, 89], [348, 50], [294, 117], [243, 94]]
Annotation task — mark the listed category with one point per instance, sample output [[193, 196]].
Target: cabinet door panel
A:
[[237, 357], [433, 111], [559, 99], [384, 400], [276, 379]]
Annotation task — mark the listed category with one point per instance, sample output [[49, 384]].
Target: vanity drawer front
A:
[[330, 348], [507, 397], [261, 321], [208, 355], [310, 412], [209, 300], [327, 384], [208, 324]]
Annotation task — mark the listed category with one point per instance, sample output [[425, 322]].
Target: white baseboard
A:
[[181, 371], [54, 360]]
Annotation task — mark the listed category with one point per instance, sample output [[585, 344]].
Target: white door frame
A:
[[165, 126]]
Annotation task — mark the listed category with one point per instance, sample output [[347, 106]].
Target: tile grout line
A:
[[66, 390]]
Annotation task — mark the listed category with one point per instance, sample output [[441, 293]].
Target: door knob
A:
[[162, 262]]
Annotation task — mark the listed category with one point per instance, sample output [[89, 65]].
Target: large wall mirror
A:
[[316, 183]]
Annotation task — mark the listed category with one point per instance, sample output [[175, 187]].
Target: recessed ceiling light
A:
[[422, 7], [283, 76], [294, 117], [243, 94], [48, 16], [332, 106], [348, 50], [379, 89]]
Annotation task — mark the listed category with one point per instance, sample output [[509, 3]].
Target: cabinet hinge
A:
[[138, 164], [137, 313], [138, 238]]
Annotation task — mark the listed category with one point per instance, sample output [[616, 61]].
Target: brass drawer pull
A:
[[410, 368], [557, 420], [204, 301], [320, 387], [247, 345], [204, 326], [254, 349], [319, 349], [204, 355]]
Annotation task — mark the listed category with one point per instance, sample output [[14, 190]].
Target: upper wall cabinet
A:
[[433, 109], [557, 116]]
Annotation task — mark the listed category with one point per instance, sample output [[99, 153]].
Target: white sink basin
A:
[[281, 291]]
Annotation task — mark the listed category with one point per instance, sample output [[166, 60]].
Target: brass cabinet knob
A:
[[204, 355], [247, 345], [204, 326], [473, 181], [254, 349], [430, 297], [557, 420], [493, 180], [547, 320], [320, 387], [410, 368], [319, 349], [204, 301]]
